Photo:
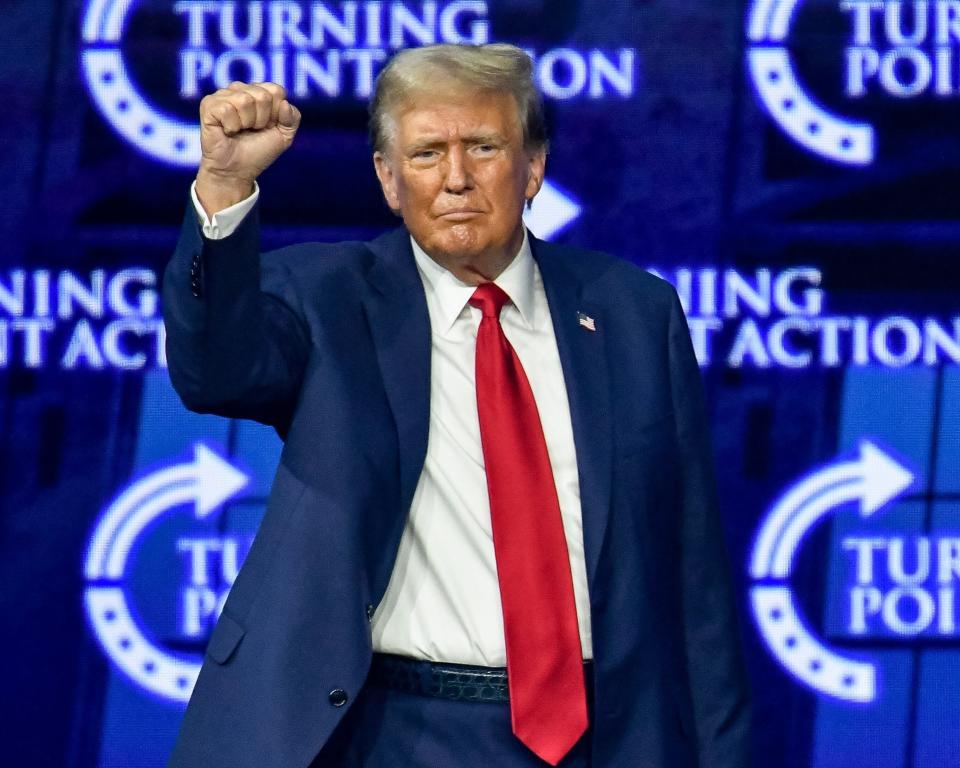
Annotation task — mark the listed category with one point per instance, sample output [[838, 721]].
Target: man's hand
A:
[[243, 129]]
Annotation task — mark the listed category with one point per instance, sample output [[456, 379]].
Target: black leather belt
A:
[[456, 682]]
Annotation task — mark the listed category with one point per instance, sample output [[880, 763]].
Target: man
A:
[[492, 538]]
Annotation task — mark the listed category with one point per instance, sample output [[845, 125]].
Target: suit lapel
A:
[[584, 361], [396, 309]]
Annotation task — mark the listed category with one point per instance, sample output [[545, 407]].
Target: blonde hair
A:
[[491, 68]]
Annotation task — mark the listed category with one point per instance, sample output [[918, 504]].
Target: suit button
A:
[[338, 697]]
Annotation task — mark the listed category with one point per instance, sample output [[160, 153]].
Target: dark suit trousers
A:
[[392, 729]]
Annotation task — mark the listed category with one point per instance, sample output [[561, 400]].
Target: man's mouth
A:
[[462, 214]]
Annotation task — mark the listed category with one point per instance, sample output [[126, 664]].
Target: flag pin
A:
[[586, 321]]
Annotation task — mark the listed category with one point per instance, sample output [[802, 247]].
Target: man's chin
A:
[[467, 250], [460, 243]]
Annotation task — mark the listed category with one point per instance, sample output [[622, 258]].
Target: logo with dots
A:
[[319, 51], [894, 49], [875, 602], [155, 132], [153, 627]]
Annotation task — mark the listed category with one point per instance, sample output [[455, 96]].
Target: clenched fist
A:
[[243, 129]]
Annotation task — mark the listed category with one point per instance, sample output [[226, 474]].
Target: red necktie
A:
[[548, 705]]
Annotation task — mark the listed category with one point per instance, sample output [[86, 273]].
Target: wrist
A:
[[217, 191]]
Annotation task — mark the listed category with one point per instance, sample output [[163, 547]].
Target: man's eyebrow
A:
[[484, 138], [427, 142], [435, 142]]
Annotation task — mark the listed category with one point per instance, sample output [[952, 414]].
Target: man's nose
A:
[[458, 177]]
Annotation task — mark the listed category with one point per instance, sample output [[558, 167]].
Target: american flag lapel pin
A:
[[586, 321]]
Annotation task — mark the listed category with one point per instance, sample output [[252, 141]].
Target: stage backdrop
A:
[[792, 166]]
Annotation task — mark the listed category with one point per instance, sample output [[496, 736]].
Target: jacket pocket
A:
[[226, 636]]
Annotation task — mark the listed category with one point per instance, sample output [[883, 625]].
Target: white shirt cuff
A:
[[223, 223]]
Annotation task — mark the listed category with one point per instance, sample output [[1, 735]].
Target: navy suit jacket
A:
[[330, 344]]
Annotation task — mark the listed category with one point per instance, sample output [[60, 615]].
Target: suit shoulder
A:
[[317, 269], [617, 276], [319, 259], [642, 279], [637, 290]]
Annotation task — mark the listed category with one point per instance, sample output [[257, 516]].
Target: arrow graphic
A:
[[551, 211], [874, 478], [208, 481]]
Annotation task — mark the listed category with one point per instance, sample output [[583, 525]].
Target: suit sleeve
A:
[[237, 340], [718, 682]]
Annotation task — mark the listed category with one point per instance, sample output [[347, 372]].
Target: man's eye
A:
[[425, 154], [485, 149]]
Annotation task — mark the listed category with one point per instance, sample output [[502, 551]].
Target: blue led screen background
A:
[[792, 167]]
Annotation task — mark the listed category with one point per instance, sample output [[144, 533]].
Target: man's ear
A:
[[536, 168], [388, 180]]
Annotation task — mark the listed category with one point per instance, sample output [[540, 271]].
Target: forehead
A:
[[451, 115]]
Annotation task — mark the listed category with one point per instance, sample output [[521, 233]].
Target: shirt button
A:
[[338, 697], [370, 611]]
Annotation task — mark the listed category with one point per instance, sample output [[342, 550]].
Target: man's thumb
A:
[[289, 116]]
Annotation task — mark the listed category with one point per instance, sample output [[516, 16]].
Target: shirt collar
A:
[[451, 294]]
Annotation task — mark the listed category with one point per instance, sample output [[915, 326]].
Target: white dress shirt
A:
[[443, 599]]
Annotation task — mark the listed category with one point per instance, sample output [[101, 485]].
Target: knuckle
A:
[[226, 113]]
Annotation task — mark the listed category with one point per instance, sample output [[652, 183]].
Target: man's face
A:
[[457, 171]]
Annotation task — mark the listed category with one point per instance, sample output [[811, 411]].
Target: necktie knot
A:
[[489, 298]]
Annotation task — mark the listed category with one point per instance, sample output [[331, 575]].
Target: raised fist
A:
[[243, 129]]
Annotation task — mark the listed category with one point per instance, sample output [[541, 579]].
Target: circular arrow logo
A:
[[175, 141], [873, 480], [160, 135], [779, 90], [205, 483]]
